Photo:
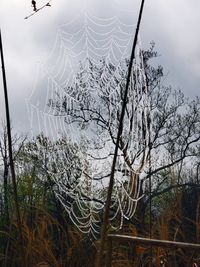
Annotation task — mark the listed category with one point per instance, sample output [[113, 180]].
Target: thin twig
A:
[[39, 9]]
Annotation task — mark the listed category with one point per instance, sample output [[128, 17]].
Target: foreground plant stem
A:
[[11, 162], [105, 225]]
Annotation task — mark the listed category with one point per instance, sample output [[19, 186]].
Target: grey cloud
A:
[[173, 25]]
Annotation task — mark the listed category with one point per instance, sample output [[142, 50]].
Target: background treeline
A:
[[51, 238], [173, 205]]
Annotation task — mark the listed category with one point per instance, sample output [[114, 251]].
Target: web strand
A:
[[84, 78]]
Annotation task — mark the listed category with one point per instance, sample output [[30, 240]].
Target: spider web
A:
[[82, 84]]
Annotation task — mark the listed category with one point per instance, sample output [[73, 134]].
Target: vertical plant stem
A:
[[12, 169], [150, 208], [120, 130], [109, 253]]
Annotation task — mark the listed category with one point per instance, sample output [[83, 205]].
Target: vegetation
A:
[[171, 211]]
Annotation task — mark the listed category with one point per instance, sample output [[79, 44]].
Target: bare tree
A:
[[169, 123], [17, 142], [161, 127]]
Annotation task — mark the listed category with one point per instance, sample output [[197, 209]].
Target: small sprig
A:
[[35, 9]]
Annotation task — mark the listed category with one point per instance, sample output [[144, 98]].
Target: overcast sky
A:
[[172, 24]]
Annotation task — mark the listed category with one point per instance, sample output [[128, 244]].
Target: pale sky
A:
[[172, 24]]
